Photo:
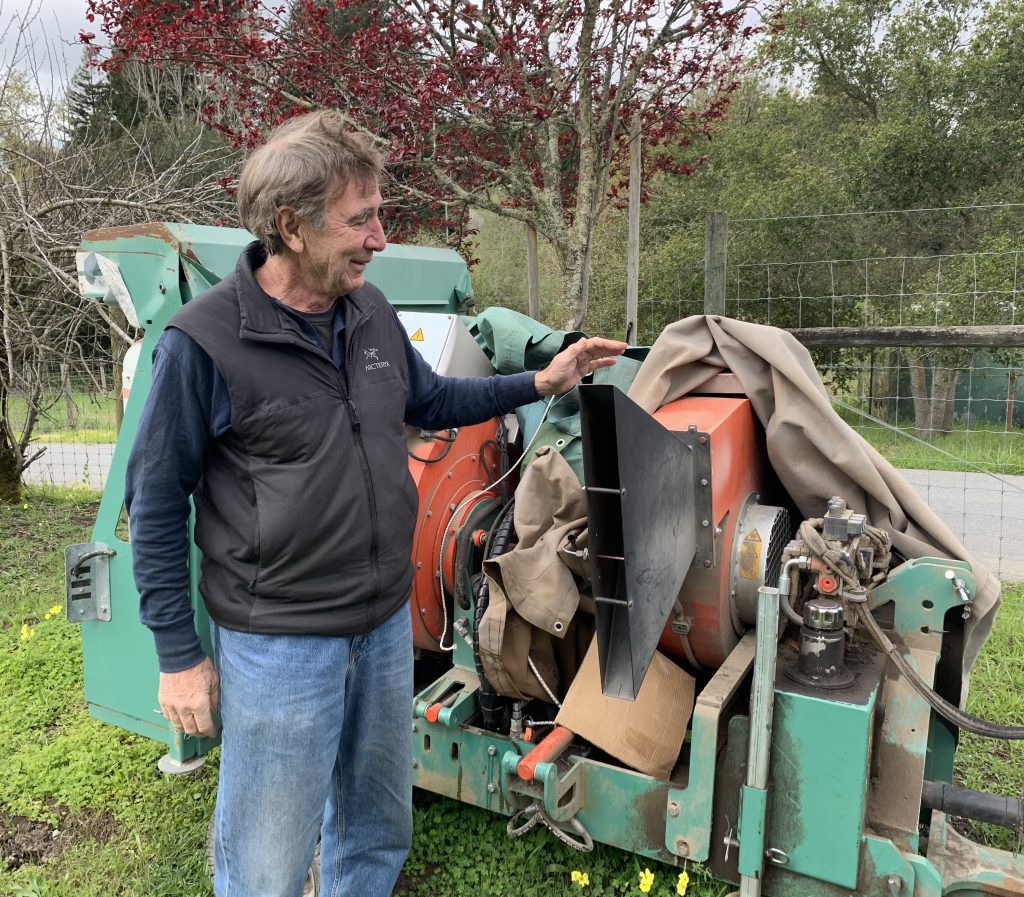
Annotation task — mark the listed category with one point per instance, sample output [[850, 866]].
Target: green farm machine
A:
[[768, 690]]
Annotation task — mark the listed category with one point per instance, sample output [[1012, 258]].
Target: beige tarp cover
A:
[[813, 451]]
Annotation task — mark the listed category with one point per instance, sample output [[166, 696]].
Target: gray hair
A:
[[299, 167]]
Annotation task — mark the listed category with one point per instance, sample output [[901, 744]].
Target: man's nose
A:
[[375, 239]]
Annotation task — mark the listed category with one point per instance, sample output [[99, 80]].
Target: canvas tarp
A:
[[814, 452]]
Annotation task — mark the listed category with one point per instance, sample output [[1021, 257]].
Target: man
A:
[[264, 410]]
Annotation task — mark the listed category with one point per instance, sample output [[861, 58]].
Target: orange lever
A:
[[547, 749], [435, 709]]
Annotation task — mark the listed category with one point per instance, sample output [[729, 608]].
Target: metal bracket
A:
[[87, 581], [700, 444]]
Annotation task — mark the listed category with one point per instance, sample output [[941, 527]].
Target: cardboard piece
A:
[[645, 734]]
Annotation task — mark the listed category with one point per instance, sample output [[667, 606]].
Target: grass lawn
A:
[[996, 451], [84, 811], [95, 419]]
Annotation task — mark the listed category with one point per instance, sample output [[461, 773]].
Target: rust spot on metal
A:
[[151, 229]]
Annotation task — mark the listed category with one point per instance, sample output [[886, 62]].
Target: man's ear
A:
[[290, 229]]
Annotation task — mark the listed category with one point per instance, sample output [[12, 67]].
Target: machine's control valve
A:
[[841, 524], [822, 646]]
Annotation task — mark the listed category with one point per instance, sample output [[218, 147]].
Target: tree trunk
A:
[[572, 261], [943, 399], [532, 273], [1011, 394], [70, 411], [919, 389], [10, 462], [884, 383]]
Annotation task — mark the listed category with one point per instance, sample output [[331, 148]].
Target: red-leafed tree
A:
[[521, 107]]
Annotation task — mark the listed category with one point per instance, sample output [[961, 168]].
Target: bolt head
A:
[[682, 847], [491, 750], [707, 563], [673, 808], [415, 728], [491, 788]]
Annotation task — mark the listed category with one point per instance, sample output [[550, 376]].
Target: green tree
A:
[[886, 105]]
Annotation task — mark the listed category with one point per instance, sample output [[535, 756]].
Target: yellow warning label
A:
[[750, 555], [418, 336]]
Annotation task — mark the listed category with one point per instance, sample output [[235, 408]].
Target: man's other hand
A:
[[190, 697], [571, 365]]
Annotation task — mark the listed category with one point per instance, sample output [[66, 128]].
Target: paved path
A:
[[985, 513], [65, 464]]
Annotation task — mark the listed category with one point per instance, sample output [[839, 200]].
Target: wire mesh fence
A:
[[76, 424], [950, 415]]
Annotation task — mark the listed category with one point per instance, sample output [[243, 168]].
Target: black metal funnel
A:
[[642, 530]]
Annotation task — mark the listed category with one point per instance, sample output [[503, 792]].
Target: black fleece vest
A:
[[306, 509]]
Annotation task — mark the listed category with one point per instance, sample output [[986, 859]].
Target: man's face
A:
[[336, 257]]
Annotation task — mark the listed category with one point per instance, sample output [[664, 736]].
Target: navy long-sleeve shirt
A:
[[187, 408]]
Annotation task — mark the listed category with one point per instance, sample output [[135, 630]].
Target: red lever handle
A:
[[548, 749]]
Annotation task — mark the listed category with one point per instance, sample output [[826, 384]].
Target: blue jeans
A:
[[317, 739]]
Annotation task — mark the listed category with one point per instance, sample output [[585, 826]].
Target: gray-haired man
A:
[[293, 452]]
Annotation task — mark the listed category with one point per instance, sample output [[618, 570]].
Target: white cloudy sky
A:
[[40, 37]]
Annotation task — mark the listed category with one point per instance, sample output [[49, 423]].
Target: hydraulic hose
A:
[[961, 718], [940, 705], [1007, 812], [494, 708]]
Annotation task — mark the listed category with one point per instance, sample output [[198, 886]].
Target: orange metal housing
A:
[[737, 470], [451, 482]]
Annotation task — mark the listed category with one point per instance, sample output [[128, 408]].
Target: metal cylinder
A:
[[822, 645]]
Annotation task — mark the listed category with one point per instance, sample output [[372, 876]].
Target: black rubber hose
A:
[[495, 709], [940, 705], [1007, 812], [463, 546]]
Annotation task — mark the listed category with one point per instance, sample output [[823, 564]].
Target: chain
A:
[[535, 814]]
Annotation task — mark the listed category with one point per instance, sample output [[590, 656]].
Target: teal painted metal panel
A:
[[819, 772], [412, 277]]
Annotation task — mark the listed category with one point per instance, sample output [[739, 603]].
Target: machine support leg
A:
[[754, 798]]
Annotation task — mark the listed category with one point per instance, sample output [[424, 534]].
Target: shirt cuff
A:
[[178, 648]]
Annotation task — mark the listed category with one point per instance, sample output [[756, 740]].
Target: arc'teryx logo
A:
[[377, 364]]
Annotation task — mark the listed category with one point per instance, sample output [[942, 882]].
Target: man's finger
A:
[[203, 724], [215, 695]]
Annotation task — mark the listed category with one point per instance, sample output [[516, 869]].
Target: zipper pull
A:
[[353, 414]]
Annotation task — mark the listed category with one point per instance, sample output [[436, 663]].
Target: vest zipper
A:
[[364, 461], [360, 448]]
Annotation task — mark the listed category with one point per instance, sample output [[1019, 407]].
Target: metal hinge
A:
[[87, 581]]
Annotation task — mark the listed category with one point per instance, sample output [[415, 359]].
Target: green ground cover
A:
[[84, 811], [95, 418], [991, 448]]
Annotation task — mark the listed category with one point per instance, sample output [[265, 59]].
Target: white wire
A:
[[552, 401], [544, 684]]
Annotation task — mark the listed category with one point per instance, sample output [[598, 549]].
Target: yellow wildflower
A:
[[646, 881], [24, 507], [27, 632], [46, 616], [684, 880], [580, 878], [55, 610]]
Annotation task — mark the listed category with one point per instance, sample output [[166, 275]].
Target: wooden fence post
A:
[[716, 237], [633, 238]]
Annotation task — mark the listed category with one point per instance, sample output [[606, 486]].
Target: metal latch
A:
[[87, 581], [960, 587]]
